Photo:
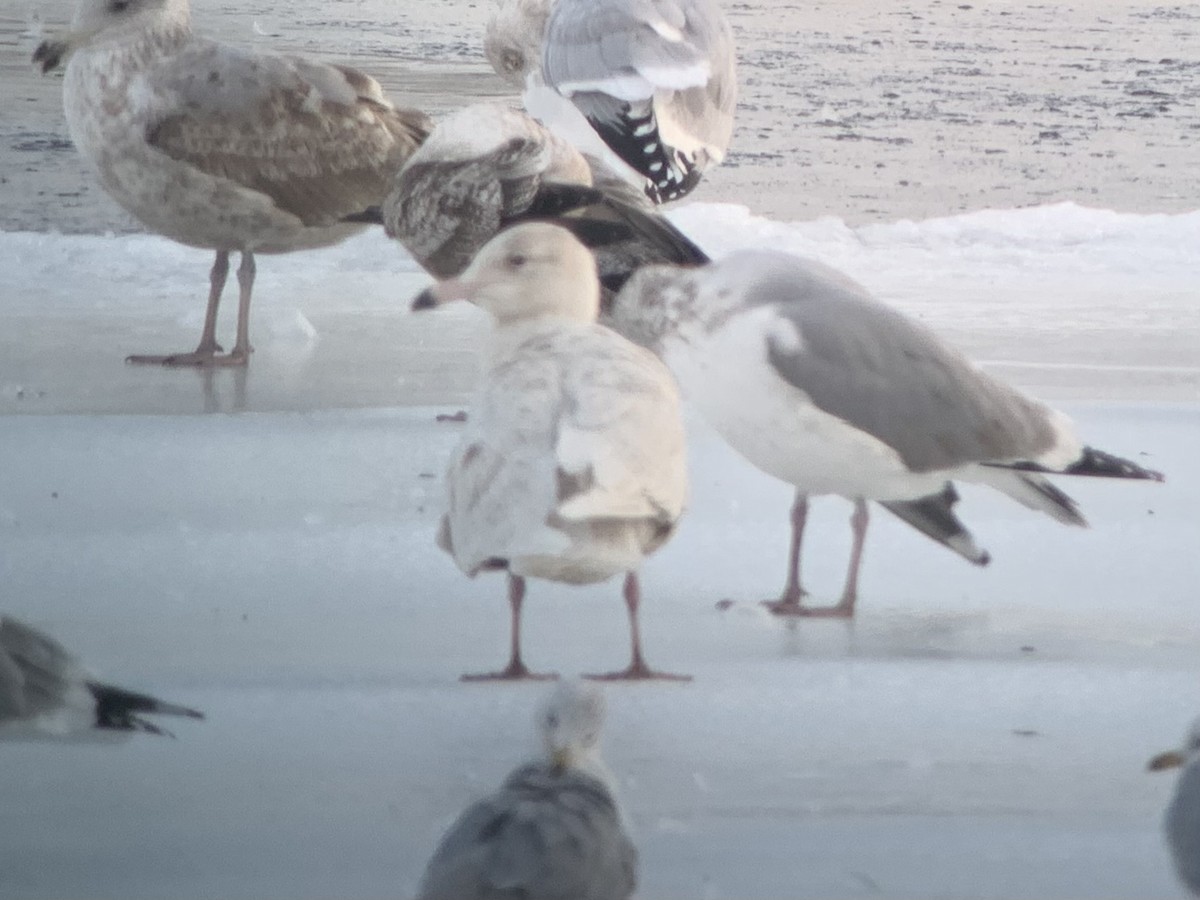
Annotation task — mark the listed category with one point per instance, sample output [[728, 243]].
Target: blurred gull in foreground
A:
[[487, 167], [655, 80], [553, 831], [222, 148], [572, 465], [819, 384], [1182, 820], [46, 695]]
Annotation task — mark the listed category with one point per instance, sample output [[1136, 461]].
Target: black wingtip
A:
[[1092, 463], [934, 517], [118, 709], [424, 300], [1099, 464]]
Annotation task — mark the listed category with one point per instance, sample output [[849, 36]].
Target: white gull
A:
[[572, 466], [1182, 819]]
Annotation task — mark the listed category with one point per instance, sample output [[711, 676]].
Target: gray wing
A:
[[608, 45], [631, 50], [893, 378], [321, 141], [546, 835], [1182, 823], [36, 672]]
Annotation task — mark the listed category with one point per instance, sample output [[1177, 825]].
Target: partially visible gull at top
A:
[[487, 167], [816, 382], [654, 80], [45, 694], [1182, 819], [572, 467], [222, 148], [553, 831]]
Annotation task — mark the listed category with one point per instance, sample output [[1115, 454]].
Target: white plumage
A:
[[572, 466]]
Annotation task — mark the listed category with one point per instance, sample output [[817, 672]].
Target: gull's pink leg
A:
[[788, 603], [637, 663], [208, 347], [240, 354], [515, 670], [844, 608]]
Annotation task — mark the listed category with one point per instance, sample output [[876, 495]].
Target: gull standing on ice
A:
[[222, 148], [1182, 819], [553, 831], [487, 167], [573, 465], [816, 382], [655, 80], [46, 695]]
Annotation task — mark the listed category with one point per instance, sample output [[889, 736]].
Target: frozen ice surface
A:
[[978, 733]]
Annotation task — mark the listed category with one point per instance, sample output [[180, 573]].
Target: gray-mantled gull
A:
[[654, 79], [46, 695], [554, 830], [223, 148], [573, 465], [1182, 820], [487, 167], [818, 383]]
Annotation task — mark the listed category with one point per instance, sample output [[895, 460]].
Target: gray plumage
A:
[[548, 834], [1182, 826], [821, 385], [890, 376], [553, 831], [45, 693], [1181, 823]]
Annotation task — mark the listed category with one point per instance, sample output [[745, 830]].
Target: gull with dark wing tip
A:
[[487, 167], [553, 831], [1182, 820], [816, 382], [46, 695], [221, 148], [655, 80], [572, 467]]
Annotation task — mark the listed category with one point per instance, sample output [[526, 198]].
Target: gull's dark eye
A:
[[552, 720], [118, 5], [516, 260]]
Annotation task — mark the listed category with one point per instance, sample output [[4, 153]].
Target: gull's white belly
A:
[[729, 378]]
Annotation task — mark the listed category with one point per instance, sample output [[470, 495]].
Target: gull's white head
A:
[[1181, 756], [512, 42], [527, 272], [570, 722]]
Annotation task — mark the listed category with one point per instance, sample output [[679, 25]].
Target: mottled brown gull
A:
[[553, 831], [45, 694], [223, 148], [572, 467], [487, 167], [821, 385], [655, 80]]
